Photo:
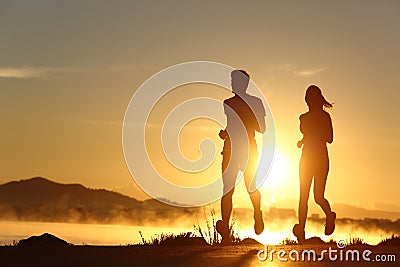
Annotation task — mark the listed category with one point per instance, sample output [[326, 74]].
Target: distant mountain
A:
[[40, 191], [349, 211], [38, 199]]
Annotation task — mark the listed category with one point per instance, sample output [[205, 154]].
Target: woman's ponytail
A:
[[326, 104]]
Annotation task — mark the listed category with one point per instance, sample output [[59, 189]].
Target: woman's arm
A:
[[329, 133], [301, 123]]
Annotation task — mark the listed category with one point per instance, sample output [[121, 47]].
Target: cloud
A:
[[23, 72], [301, 72], [308, 72], [26, 72], [103, 122], [285, 67]]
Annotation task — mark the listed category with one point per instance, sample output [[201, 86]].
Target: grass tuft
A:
[[288, 241], [210, 234], [169, 239], [356, 241], [14, 243]]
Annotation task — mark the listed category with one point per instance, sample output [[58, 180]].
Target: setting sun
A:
[[280, 171]]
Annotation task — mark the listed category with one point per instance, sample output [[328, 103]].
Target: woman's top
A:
[[316, 126]]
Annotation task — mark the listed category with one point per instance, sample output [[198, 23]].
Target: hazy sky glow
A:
[[69, 68]]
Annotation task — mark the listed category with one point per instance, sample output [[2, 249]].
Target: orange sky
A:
[[68, 70]]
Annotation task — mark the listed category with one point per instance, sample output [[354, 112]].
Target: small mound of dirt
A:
[[315, 240], [394, 241], [44, 240], [249, 241]]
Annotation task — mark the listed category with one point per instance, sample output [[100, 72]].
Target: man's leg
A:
[[255, 196], [226, 207], [222, 226], [229, 173]]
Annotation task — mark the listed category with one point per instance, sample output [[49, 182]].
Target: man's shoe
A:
[[223, 229]]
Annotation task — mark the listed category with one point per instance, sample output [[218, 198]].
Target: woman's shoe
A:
[[299, 233], [330, 223]]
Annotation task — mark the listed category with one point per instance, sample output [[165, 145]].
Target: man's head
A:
[[239, 81]]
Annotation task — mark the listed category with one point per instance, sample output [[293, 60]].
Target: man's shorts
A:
[[244, 157]]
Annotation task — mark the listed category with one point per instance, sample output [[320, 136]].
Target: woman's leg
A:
[[319, 187], [305, 173], [319, 192]]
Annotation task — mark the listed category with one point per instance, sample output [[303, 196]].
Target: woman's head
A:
[[315, 99]]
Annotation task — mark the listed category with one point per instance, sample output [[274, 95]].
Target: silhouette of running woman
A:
[[316, 127], [245, 115]]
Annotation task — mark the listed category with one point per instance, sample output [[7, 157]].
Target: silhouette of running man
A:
[[316, 127], [245, 115]]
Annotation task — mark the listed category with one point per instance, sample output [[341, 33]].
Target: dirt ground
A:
[[198, 255]]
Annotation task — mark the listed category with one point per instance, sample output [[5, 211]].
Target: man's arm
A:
[[262, 124], [261, 119]]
